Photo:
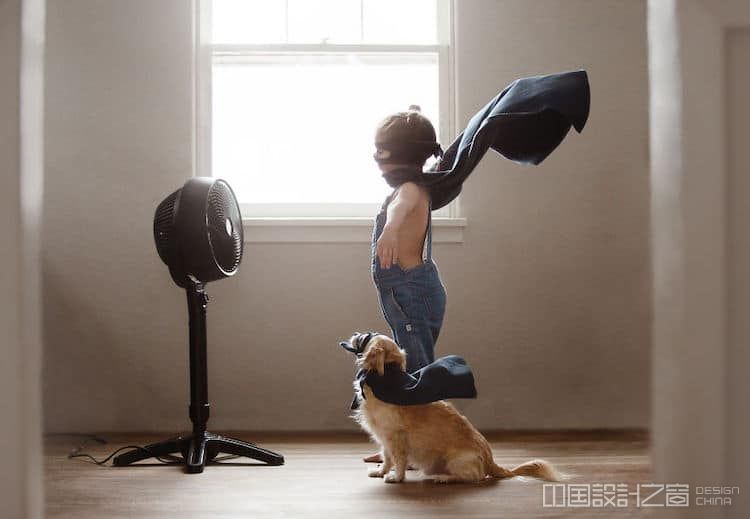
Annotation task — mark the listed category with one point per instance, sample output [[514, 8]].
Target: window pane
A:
[[331, 21], [400, 21], [300, 129], [325, 21], [248, 21]]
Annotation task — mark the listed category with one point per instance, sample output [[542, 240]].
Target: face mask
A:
[[407, 152]]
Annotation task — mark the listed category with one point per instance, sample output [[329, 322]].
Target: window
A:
[[296, 87]]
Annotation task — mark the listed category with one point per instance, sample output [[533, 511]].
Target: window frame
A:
[[205, 52]]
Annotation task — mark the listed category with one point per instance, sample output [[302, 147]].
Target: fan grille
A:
[[164, 235], [224, 226]]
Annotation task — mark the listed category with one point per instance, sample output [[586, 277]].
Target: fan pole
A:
[[199, 407]]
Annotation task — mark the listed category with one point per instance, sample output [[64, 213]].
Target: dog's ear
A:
[[394, 354], [402, 360], [374, 358]]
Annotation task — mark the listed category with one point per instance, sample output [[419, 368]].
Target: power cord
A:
[[88, 458], [167, 459]]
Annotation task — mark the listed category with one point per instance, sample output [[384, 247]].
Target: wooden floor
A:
[[324, 476]]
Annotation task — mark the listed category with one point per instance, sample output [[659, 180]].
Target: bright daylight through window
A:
[[298, 86]]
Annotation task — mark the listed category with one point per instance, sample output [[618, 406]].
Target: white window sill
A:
[[336, 230]]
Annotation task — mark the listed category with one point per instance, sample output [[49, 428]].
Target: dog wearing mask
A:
[[432, 437]]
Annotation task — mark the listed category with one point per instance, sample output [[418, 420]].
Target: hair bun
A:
[[415, 108]]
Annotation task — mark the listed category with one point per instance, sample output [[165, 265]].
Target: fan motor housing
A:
[[198, 231]]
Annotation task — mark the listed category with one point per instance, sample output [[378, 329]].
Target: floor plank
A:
[[325, 477]]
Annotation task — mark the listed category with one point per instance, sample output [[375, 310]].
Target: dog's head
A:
[[374, 351]]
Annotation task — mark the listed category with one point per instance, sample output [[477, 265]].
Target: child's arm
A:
[[406, 199]]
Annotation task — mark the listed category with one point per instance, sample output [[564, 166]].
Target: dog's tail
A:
[[535, 468]]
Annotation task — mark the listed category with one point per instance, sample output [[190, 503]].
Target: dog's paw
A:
[[393, 478], [375, 473]]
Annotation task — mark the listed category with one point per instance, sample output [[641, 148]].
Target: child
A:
[[412, 296]]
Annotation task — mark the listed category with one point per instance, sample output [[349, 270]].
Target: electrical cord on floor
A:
[[167, 459], [76, 453]]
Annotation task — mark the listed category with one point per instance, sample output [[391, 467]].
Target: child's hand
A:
[[387, 248]]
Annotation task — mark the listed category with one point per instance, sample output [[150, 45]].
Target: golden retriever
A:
[[434, 438]]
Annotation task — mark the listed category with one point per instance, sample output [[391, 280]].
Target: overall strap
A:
[[388, 200], [380, 218], [427, 251]]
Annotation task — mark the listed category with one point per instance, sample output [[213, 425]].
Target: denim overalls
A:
[[412, 300]]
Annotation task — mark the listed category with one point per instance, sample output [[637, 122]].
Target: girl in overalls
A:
[[412, 296]]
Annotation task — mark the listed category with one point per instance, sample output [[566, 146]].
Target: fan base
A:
[[198, 450]]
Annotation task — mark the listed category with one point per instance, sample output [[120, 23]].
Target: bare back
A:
[[412, 233]]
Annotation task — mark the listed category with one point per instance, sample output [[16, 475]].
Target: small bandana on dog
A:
[[444, 378]]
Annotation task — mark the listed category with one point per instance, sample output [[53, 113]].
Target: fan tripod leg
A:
[[195, 460], [206, 446], [224, 445], [165, 448]]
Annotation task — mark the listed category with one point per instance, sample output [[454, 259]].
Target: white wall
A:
[[21, 149], [699, 163], [737, 43], [688, 193], [548, 294]]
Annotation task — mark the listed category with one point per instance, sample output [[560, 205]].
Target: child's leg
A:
[[406, 315], [435, 302]]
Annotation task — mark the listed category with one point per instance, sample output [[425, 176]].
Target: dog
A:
[[434, 438]]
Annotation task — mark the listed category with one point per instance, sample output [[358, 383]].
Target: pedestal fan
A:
[[198, 235]]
